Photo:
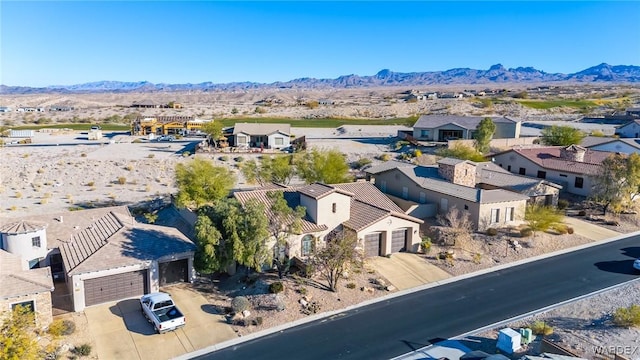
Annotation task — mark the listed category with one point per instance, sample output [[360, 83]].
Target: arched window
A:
[[307, 245]]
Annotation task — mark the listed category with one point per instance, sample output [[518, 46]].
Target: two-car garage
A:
[[374, 243]]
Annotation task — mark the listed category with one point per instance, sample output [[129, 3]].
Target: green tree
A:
[[561, 135], [200, 183], [325, 166], [283, 222], [460, 151], [338, 255], [484, 133], [276, 169], [17, 338], [617, 183], [541, 218], [214, 130]]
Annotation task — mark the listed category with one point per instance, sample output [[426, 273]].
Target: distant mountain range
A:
[[497, 74]]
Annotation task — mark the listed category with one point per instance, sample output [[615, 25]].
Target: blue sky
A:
[[71, 42]]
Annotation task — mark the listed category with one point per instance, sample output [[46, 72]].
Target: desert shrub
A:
[[239, 159], [384, 157], [541, 328], [417, 153], [257, 321], [18, 194], [563, 204], [582, 213], [627, 317], [186, 154], [82, 350], [260, 110], [62, 327], [234, 111], [40, 171], [240, 304], [91, 183], [122, 180], [137, 141], [362, 162], [492, 231], [561, 228], [83, 155], [129, 167], [425, 244], [224, 158], [477, 258], [150, 217], [312, 104], [351, 285], [151, 156], [526, 232], [302, 291], [276, 287], [570, 230]]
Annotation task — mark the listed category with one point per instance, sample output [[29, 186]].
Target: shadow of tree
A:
[[133, 320]]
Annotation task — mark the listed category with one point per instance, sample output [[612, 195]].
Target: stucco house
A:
[[452, 127], [573, 167], [380, 225], [255, 135], [30, 288], [629, 130], [616, 145], [102, 254], [426, 191]]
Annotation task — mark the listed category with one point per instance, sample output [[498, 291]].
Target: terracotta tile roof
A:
[[18, 282], [549, 158], [261, 128], [363, 215], [318, 190], [292, 197], [21, 227]]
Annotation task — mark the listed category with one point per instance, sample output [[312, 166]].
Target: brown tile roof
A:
[[368, 193], [363, 215], [549, 158], [292, 197], [21, 227], [18, 282], [318, 190], [261, 128]]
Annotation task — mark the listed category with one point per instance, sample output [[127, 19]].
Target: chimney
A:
[[573, 153], [459, 172]]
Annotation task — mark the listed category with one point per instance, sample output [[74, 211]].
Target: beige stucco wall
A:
[[21, 244], [386, 227], [42, 304], [321, 211], [484, 217]]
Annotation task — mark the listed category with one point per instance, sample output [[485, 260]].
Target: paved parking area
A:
[[406, 270], [122, 332]]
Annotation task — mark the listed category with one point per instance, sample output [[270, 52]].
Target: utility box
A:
[[527, 336], [509, 340], [95, 135]]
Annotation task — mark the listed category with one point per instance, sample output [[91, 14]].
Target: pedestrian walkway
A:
[[589, 230], [406, 270]]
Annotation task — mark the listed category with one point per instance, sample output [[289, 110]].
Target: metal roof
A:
[[467, 122]]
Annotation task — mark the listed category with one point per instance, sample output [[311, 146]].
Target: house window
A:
[[333, 208], [405, 192], [383, 186], [29, 305], [511, 214], [35, 241], [495, 216], [542, 174], [522, 171], [423, 198], [579, 182], [279, 141], [307, 245], [466, 207], [424, 133], [242, 139], [563, 175], [34, 264], [508, 167]]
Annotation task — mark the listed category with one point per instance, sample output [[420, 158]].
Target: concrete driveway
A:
[[406, 270], [589, 230], [122, 332]]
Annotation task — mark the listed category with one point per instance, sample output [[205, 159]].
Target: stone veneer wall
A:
[[42, 302], [462, 173]]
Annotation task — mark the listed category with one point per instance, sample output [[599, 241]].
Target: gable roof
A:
[[593, 141], [17, 282], [549, 158], [385, 166], [512, 181], [467, 122], [629, 123], [261, 128], [318, 191]]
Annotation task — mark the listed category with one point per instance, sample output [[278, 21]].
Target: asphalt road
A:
[[388, 329]]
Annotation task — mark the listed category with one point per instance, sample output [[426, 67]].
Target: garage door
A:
[[398, 240], [115, 287], [173, 272], [372, 244]]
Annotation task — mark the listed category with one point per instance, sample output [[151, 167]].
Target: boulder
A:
[[303, 302], [246, 313]]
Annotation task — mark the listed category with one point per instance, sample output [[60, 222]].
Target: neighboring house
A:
[[573, 167], [380, 225], [255, 135], [629, 130], [5, 109], [615, 145], [28, 288], [451, 127], [452, 183], [145, 104], [101, 254]]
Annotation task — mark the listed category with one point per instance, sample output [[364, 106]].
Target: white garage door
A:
[[399, 240]]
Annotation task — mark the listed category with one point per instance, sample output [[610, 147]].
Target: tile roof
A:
[[367, 193], [467, 122], [21, 227], [592, 141], [18, 282], [629, 123], [549, 158], [363, 215], [452, 161], [385, 166], [318, 190], [511, 181], [261, 128]]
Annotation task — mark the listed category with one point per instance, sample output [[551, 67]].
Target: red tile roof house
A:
[[100, 255], [573, 167], [380, 225]]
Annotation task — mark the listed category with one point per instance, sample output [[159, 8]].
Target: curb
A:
[[328, 314]]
